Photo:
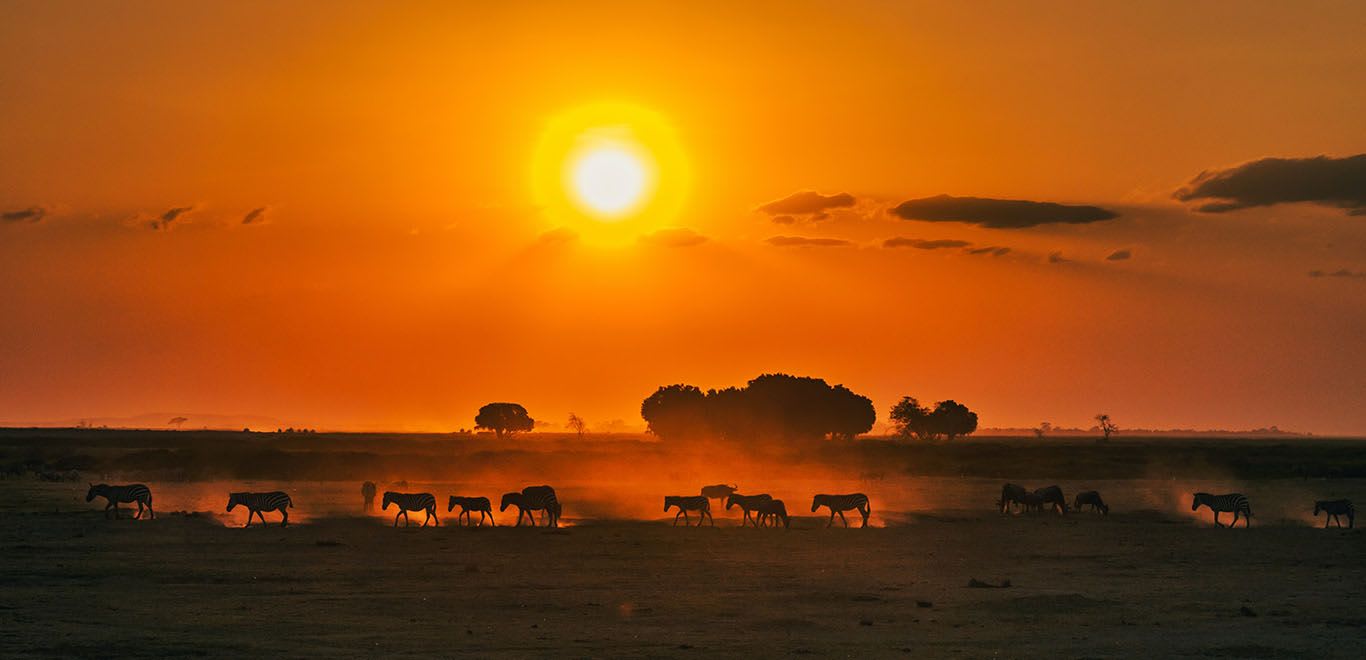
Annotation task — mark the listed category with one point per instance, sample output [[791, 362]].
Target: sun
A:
[[609, 171]]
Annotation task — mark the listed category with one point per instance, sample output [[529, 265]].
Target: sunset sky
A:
[[358, 216]]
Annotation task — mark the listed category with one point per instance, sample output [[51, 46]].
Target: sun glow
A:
[[611, 180]]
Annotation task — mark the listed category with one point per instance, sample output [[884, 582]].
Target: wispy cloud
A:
[[1341, 272], [1057, 258], [924, 244], [169, 218], [29, 215], [807, 204], [993, 250], [803, 241], [256, 216], [1119, 255]]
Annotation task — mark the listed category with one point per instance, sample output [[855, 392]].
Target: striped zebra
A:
[[747, 503], [686, 503], [533, 498], [1053, 499], [113, 495], [256, 503], [1235, 502], [771, 511], [468, 504], [1335, 508], [1090, 498], [367, 491], [838, 504], [1012, 494], [411, 502]]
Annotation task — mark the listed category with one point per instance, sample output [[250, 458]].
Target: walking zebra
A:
[[1235, 502], [367, 490], [1053, 499], [770, 511], [411, 502], [841, 503], [1335, 508], [1011, 494], [256, 503], [718, 491], [686, 503], [533, 498], [113, 495], [747, 503], [468, 504], [1091, 498]]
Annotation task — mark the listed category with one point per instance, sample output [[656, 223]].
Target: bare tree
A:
[[1107, 426], [1043, 429], [577, 425]]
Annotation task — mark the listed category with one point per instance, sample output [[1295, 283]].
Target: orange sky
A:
[[403, 273]]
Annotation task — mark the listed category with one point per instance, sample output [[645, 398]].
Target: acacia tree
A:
[[504, 419], [577, 425], [178, 422], [1043, 429], [1107, 426], [948, 419]]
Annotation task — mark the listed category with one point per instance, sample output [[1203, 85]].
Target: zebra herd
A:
[[760, 510]]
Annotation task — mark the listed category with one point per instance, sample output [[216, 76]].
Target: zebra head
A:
[[510, 499], [730, 501], [236, 498], [95, 490], [816, 502], [670, 499], [1318, 506], [389, 497], [450, 504], [1200, 498]]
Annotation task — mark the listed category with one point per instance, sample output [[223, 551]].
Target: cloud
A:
[[31, 214], [170, 217], [924, 244], [997, 213], [1057, 258], [256, 216], [993, 250], [784, 219], [558, 236], [803, 241], [806, 203], [1120, 255], [677, 237], [1336, 182], [1342, 272]]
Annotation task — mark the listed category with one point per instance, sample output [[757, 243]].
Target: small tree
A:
[[504, 418], [178, 422], [1043, 429], [1107, 426], [577, 425], [953, 419], [910, 419]]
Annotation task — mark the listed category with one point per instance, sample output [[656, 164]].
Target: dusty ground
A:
[[1147, 581]]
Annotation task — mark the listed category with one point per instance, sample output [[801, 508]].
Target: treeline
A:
[[777, 406]]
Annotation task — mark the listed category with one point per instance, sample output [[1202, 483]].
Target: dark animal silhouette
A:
[[838, 504], [747, 503], [1053, 499], [770, 512], [1335, 508], [1235, 502], [113, 495], [411, 502], [1011, 494], [685, 503], [533, 498], [1031, 502], [468, 504], [256, 503], [1090, 498], [718, 491], [367, 490]]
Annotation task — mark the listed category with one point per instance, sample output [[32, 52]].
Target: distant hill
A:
[[160, 420]]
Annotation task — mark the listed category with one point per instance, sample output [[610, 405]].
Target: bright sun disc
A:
[[609, 179]]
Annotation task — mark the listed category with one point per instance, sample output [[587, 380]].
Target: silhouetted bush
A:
[[948, 419], [770, 406], [504, 418]]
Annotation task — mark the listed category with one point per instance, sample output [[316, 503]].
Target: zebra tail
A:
[[289, 502]]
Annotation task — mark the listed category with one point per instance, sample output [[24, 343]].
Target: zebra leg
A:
[[676, 515], [844, 520], [1216, 519], [138, 515], [249, 514], [1235, 520], [149, 508], [865, 512], [831, 523], [396, 515], [491, 520], [284, 517]]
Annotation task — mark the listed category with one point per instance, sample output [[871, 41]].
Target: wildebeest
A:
[[685, 503], [468, 504], [1053, 499], [257, 503], [1335, 508], [747, 503], [718, 491], [838, 504], [770, 511], [1235, 502], [1090, 498], [1031, 502], [1011, 494], [113, 495], [411, 502], [367, 491]]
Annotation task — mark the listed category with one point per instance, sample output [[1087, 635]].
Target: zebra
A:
[[367, 490], [1011, 494], [113, 495], [468, 504], [258, 502], [1053, 499], [411, 502], [718, 491], [770, 511], [533, 498], [1335, 508], [1235, 502], [841, 503], [1093, 499], [746, 504], [686, 503]]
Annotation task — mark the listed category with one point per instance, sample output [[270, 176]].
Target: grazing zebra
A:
[[258, 502], [113, 495], [770, 511], [1235, 502], [747, 503], [1335, 508], [367, 490], [1053, 499], [533, 498], [841, 503], [468, 504], [685, 503], [411, 502], [1091, 498], [1011, 494], [718, 491]]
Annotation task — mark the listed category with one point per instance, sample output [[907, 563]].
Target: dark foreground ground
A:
[[1139, 583]]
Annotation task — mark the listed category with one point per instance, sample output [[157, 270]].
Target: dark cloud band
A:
[[1337, 182], [808, 203], [803, 241], [998, 213]]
